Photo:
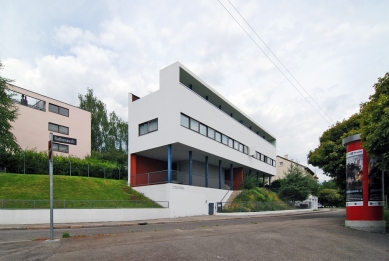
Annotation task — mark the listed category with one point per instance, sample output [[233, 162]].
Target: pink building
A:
[[39, 115]]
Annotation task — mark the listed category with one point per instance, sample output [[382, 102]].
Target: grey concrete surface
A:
[[314, 236]]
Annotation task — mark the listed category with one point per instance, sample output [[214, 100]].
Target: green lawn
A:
[[69, 192]]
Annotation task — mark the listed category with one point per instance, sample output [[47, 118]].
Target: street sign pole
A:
[[51, 184]]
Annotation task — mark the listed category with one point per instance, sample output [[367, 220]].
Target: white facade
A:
[[201, 103]]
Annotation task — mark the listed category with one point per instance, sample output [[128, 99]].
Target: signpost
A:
[[51, 183]]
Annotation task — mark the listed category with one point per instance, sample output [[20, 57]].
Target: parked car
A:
[[320, 205]]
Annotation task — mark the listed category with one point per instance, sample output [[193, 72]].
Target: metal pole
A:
[[51, 184], [70, 170], [24, 163]]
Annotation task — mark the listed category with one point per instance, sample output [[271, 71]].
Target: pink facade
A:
[[39, 115]]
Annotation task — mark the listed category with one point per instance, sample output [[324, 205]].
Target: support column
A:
[[269, 182], [206, 171], [263, 180], [220, 174], [250, 172], [169, 163], [257, 179], [190, 168], [231, 176]]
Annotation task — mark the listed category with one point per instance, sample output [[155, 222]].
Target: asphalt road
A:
[[315, 236]]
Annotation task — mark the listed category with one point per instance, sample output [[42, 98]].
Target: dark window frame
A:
[[58, 128], [58, 109], [148, 127], [60, 146]]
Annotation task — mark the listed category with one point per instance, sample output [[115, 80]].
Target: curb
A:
[[223, 216]]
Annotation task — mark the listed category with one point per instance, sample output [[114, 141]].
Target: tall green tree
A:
[[296, 186], [99, 124], [375, 123], [108, 132], [8, 114], [330, 155]]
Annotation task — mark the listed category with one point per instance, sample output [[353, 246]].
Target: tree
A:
[[8, 114], [330, 197], [108, 132], [296, 186], [330, 155], [375, 123]]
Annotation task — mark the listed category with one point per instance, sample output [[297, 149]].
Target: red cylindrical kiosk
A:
[[364, 189]]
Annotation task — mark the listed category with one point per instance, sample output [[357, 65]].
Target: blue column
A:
[[190, 168], [257, 179], [206, 171], [220, 174], [250, 172], [169, 163], [231, 176]]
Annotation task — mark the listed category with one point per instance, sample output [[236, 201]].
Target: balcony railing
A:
[[225, 113], [178, 177]]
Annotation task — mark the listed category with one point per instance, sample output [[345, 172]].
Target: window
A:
[[245, 149], [224, 139], [218, 136], [58, 110], [58, 128], [148, 127], [274, 163], [281, 163], [258, 155], [240, 147], [203, 129], [230, 142], [262, 157], [184, 121], [60, 147], [236, 145], [211, 133], [194, 125]]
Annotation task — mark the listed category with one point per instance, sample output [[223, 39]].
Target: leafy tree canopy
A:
[[8, 114], [296, 186], [330, 197], [109, 133], [330, 156], [375, 123]]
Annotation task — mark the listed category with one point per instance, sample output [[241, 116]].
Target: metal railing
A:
[[86, 204], [259, 206], [178, 177]]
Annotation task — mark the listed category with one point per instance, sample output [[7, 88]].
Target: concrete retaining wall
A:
[[42, 216]]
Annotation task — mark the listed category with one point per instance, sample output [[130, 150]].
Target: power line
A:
[[274, 63], [280, 61]]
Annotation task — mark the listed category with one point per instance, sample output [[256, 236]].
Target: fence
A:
[[85, 204], [33, 162], [228, 207], [179, 177]]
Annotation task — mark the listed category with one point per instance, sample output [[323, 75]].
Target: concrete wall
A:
[[42, 216], [31, 128], [185, 200]]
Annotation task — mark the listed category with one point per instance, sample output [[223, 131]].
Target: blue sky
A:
[[335, 49]]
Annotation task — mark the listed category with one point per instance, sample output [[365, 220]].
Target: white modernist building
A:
[[186, 140]]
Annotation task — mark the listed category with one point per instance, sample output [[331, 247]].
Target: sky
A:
[[333, 53]]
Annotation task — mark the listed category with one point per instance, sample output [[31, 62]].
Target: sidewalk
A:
[[217, 216]]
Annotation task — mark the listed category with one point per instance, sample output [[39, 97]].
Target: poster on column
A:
[[376, 193], [354, 175]]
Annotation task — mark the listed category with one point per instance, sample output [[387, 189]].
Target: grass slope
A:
[[254, 200], [37, 187]]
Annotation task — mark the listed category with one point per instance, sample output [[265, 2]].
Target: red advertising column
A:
[[364, 189]]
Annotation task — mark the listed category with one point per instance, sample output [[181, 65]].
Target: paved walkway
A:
[[217, 216]]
